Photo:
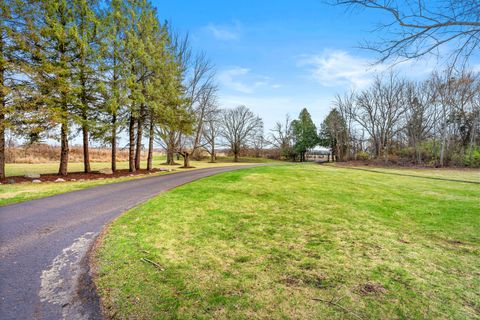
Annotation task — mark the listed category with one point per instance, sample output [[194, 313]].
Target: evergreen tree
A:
[[114, 69], [334, 135], [86, 70], [305, 133], [53, 64], [17, 93]]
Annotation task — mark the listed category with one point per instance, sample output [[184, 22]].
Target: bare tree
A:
[[281, 137], [420, 27], [239, 126], [345, 106], [211, 133], [258, 141], [419, 116], [380, 111], [454, 94], [202, 101]]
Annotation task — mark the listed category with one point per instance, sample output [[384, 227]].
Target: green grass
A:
[[15, 193], [298, 242]]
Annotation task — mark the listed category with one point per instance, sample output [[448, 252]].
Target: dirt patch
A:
[[310, 280], [455, 242], [371, 288], [76, 176]]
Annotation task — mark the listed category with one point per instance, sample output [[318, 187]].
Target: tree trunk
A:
[[64, 150], [86, 151], [235, 156], [170, 160], [114, 142], [171, 149], [2, 116], [442, 147], [2, 142], [138, 151], [131, 151], [150, 146], [186, 160], [212, 154]]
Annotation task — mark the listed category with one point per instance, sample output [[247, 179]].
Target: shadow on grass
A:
[[411, 175]]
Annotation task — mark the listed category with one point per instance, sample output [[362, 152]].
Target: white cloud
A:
[[242, 80], [224, 32], [334, 68]]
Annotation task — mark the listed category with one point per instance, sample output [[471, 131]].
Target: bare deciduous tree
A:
[[281, 137], [202, 101], [379, 110], [420, 27], [211, 133], [239, 126]]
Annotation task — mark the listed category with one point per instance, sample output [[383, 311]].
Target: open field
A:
[[14, 193], [20, 169], [301, 242]]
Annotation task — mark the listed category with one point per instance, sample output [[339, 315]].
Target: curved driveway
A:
[[43, 242]]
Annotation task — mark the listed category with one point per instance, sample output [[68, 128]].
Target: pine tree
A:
[[113, 66], [305, 133], [53, 66], [86, 69], [15, 83]]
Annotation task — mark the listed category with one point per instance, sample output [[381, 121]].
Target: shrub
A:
[[472, 159], [362, 155]]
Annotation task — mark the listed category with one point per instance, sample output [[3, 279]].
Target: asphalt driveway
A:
[[43, 244]]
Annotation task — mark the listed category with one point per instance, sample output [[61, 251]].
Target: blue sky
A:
[[277, 57]]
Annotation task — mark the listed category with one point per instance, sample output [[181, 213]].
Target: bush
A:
[[473, 159], [362, 155]]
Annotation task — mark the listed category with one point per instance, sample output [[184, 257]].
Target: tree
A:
[[419, 27], [239, 126], [211, 134], [282, 138], [86, 73], [305, 133], [52, 65], [419, 116], [258, 141], [202, 102], [380, 110], [14, 55], [334, 135], [114, 71]]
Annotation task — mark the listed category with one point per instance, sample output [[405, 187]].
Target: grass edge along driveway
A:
[[21, 192], [299, 242]]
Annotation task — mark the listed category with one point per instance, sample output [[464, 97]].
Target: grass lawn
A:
[[298, 242], [14, 193]]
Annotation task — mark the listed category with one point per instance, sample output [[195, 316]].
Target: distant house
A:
[[318, 154]]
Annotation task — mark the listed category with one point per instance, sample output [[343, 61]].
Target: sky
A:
[[277, 57]]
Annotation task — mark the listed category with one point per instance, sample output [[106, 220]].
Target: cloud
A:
[[242, 80], [337, 68], [334, 68], [224, 32]]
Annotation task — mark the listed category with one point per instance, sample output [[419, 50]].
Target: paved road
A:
[[43, 245]]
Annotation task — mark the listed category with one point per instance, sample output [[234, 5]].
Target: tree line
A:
[[100, 69], [434, 122]]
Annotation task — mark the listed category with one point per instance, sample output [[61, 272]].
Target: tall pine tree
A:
[[305, 133]]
